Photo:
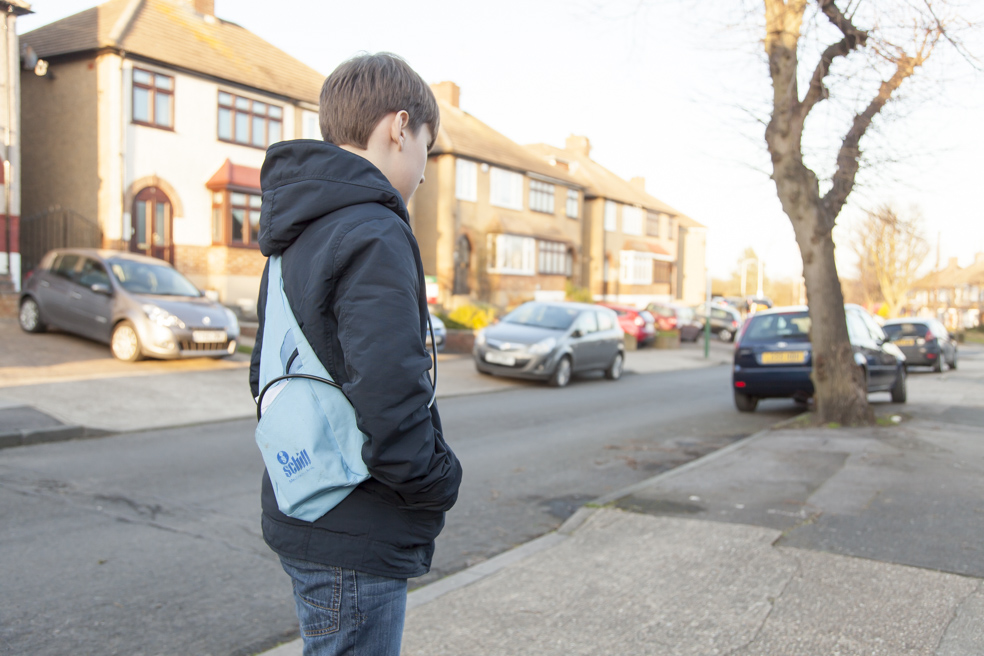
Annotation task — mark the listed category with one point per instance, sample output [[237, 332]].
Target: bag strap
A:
[[275, 277]]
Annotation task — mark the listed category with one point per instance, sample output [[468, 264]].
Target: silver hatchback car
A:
[[552, 341], [140, 306]]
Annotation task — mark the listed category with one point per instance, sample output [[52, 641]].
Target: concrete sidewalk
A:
[[807, 541]]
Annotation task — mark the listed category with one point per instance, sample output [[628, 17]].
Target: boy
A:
[[336, 212]]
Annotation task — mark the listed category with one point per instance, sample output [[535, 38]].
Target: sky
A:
[[664, 91]]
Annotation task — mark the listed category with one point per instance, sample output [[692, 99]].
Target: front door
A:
[[152, 225]]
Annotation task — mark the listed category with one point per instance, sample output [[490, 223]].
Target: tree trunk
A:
[[840, 388]]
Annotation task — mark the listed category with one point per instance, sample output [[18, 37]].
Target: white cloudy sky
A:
[[662, 91]]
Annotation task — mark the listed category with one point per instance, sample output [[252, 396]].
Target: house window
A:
[[572, 208], [635, 268], [506, 189], [512, 254], [153, 99], [555, 258], [465, 180], [631, 220], [610, 209], [249, 122], [236, 218], [542, 196], [652, 224], [662, 271], [311, 129]]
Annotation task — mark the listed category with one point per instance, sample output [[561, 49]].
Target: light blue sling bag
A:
[[307, 431]]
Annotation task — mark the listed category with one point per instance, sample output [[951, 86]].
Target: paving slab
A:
[[626, 583]]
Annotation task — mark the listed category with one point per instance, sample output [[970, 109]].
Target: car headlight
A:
[[162, 317], [233, 326], [544, 346], [480, 338]]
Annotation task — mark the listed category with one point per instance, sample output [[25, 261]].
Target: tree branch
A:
[[853, 39], [850, 152]]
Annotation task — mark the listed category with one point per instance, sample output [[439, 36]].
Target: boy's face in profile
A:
[[411, 162]]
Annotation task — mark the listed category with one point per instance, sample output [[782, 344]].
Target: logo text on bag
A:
[[294, 465]]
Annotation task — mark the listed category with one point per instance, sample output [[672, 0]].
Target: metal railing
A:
[[55, 227]]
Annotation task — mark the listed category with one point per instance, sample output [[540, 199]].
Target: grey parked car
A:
[[139, 305], [552, 341]]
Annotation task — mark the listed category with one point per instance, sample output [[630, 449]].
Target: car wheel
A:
[[125, 343], [30, 317], [898, 389], [562, 374], [745, 403], [938, 364], [614, 371], [726, 335]]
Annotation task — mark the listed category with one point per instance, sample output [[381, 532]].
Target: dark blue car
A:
[[774, 357]]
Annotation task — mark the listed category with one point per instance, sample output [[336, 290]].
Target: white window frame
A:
[[465, 180], [542, 196], [611, 208], [635, 268], [554, 258], [511, 254], [632, 220], [573, 206], [506, 189]]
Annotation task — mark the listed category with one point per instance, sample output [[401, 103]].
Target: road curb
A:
[[478, 572], [31, 437]]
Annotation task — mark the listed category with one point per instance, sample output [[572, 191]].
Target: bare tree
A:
[[895, 55], [890, 249]]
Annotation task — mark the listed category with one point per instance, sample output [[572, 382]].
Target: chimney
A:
[[978, 258], [578, 144], [639, 183], [953, 263], [449, 92]]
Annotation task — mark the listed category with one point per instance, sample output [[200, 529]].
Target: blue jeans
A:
[[342, 611]]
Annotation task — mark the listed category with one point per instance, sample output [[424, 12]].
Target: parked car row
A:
[[774, 357]]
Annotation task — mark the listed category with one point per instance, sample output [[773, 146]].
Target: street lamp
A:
[[744, 274]]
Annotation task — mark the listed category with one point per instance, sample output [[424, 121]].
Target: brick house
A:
[[637, 249], [153, 121], [10, 168], [495, 222]]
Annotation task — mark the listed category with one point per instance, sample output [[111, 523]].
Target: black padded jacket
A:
[[353, 276]]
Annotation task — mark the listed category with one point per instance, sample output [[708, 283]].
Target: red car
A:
[[638, 323]]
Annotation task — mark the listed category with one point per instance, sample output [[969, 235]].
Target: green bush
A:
[[578, 294], [472, 317]]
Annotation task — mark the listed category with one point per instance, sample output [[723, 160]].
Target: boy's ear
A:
[[398, 127]]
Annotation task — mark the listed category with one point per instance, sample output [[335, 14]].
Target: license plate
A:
[[784, 357], [208, 336], [905, 342], [500, 358]]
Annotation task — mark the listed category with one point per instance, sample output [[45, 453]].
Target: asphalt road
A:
[[148, 543]]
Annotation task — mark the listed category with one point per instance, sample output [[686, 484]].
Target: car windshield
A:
[[897, 330], [684, 315], [146, 278], [541, 315], [788, 327]]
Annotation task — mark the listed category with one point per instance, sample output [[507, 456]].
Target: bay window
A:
[[511, 254]]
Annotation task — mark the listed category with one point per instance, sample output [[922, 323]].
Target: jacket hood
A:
[[303, 180]]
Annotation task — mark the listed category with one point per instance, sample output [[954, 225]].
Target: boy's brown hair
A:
[[364, 89]]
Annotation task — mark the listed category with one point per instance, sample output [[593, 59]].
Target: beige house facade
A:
[[495, 223], [153, 122], [637, 249]]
